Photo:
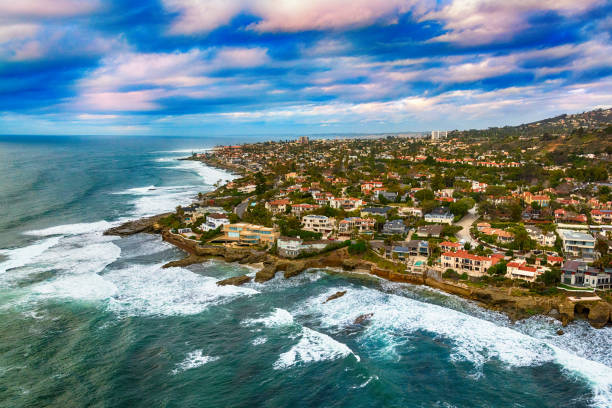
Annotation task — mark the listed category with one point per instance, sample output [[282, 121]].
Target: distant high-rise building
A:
[[438, 134], [303, 139]]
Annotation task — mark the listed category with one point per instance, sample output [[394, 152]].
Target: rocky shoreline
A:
[[514, 303]]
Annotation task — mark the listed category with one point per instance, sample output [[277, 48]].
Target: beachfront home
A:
[[249, 234], [448, 246], [579, 273], [519, 269], [346, 203], [577, 244], [214, 221], [462, 261]]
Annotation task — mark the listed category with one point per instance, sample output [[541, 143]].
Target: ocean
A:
[[88, 320]]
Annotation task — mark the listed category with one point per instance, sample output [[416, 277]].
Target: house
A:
[[249, 188], [375, 211], [410, 248], [318, 223], [520, 270], [462, 261], [394, 227], [577, 244], [448, 246], [368, 186], [541, 200], [362, 225], [602, 216], [289, 247], [299, 209], [278, 206], [430, 231], [544, 239], [562, 215], [249, 234], [500, 234], [387, 195], [479, 187], [214, 221], [185, 231], [347, 204], [409, 212], [440, 215], [579, 273]]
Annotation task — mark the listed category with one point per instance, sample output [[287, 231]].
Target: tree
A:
[[499, 269], [358, 247], [424, 195], [551, 277]]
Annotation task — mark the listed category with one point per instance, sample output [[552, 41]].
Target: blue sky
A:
[[210, 67]]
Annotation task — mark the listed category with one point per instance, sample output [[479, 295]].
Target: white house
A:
[[440, 215], [214, 221]]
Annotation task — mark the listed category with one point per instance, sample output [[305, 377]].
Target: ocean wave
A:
[[73, 229], [313, 346], [152, 200], [210, 175], [278, 318], [151, 290], [194, 359], [19, 257], [475, 340]]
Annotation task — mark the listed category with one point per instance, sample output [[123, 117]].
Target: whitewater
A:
[[88, 319]]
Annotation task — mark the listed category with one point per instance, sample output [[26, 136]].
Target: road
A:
[[466, 222], [241, 208]]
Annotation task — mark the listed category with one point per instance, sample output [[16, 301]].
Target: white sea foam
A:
[[194, 359], [210, 175], [475, 340], [88, 286], [151, 290], [259, 340], [73, 229], [312, 347], [278, 318], [19, 257], [151, 200]]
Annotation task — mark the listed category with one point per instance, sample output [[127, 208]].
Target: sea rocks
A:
[[266, 273], [599, 314], [349, 264], [294, 268], [336, 296], [236, 280], [363, 318], [566, 311], [137, 226], [560, 332]]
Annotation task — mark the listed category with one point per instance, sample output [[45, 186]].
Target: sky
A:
[[221, 67]]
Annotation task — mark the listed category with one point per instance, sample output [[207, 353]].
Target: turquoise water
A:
[[88, 320]]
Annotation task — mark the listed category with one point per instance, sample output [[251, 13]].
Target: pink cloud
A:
[[46, 8], [473, 22]]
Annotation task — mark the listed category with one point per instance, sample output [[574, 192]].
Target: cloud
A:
[[287, 16], [474, 22], [46, 8]]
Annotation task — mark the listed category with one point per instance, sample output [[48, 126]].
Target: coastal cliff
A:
[[515, 303]]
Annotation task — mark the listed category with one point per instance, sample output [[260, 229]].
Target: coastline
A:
[[516, 304]]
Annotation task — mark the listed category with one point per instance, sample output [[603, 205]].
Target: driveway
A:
[[466, 222]]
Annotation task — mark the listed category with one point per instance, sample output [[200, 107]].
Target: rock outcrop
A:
[[599, 314], [147, 225], [566, 311], [336, 296], [363, 318], [268, 272], [236, 280]]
